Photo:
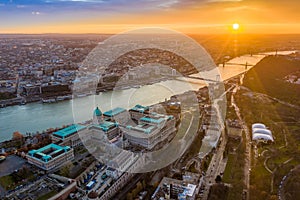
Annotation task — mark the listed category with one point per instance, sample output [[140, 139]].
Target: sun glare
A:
[[235, 26]]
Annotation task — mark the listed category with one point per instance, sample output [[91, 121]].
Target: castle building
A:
[[138, 112], [97, 116], [68, 136], [119, 115], [50, 156], [104, 123], [151, 130]]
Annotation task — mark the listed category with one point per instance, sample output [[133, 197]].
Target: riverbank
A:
[[57, 97], [38, 117]]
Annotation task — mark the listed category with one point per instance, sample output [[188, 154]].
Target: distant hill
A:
[[269, 77]]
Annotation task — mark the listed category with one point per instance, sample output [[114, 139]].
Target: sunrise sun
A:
[[235, 26]]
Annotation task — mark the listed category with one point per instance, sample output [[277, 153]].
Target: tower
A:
[[97, 116]]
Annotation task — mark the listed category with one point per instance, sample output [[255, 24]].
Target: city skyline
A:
[[114, 16]]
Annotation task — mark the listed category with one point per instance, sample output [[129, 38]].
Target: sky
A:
[[115, 16]]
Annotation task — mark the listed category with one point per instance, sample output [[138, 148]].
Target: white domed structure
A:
[[258, 125], [258, 136], [260, 133]]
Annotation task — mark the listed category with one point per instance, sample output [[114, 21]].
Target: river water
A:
[[37, 116]]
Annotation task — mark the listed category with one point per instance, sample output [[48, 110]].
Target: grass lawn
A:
[[7, 182], [15, 179], [281, 119], [227, 172]]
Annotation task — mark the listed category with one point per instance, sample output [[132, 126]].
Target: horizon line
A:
[[125, 32]]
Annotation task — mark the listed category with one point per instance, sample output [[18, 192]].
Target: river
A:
[[37, 116]]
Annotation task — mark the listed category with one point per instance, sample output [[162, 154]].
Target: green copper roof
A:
[[151, 120], [105, 125], [69, 130], [114, 112], [141, 128], [97, 112], [140, 108], [42, 152]]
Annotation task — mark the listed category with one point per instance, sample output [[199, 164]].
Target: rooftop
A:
[[156, 118], [48, 152], [106, 125], [152, 120], [69, 130], [114, 112], [183, 189], [140, 108], [258, 125], [258, 136], [145, 128]]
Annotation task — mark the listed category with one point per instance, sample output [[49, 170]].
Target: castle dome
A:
[[97, 112]]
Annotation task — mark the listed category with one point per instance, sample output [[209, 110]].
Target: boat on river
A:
[[49, 100]]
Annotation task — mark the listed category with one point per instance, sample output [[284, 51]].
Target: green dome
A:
[[97, 112]]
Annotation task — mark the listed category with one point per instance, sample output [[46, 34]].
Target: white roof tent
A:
[[258, 125], [260, 132], [259, 136]]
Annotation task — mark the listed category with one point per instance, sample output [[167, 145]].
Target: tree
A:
[[218, 179], [17, 136], [144, 184], [135, 192], [139, 186], [65, 170], [129, 196]]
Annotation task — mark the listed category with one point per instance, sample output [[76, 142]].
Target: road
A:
[[247, 167], [215, 167], [217, 164]]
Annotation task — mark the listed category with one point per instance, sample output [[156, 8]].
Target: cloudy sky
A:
[[113, 16]]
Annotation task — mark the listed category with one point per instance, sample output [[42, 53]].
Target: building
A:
[[138, 127], [107, 123], [97, 116], [258, 125], [112, 172], [261, 134], [234, 129], [116, 186], [119, 115], [138, 112], [68, 136], [50, 156], [108, 128], [151, 130], [175, 189], [122, 168], [124, 161]]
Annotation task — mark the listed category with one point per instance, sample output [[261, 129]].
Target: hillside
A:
[[269, 77], [271, 95]]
